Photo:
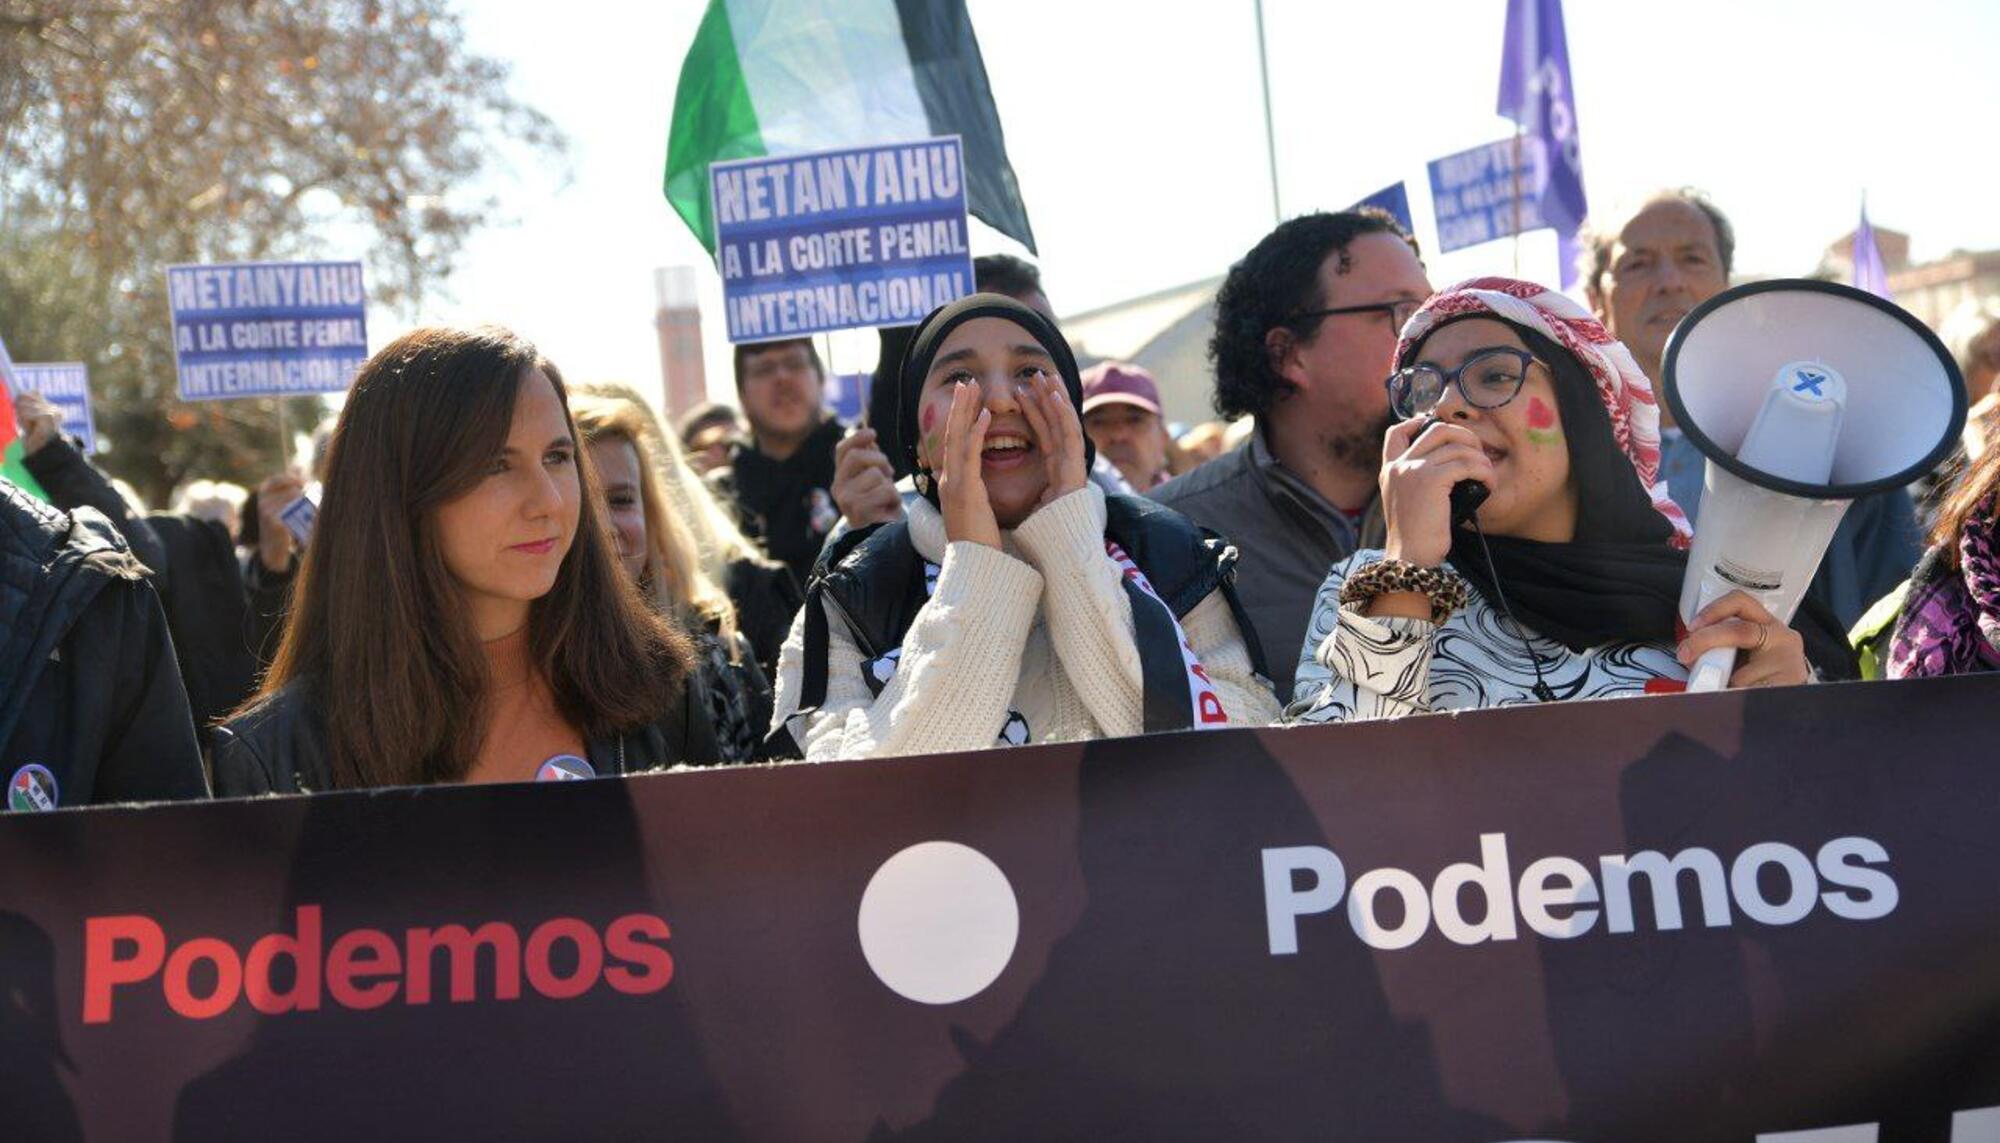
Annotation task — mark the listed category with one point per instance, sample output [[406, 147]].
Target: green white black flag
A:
[[774, 77]]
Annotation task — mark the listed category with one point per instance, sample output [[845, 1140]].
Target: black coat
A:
[[786, 506], [767, 599], [280, 746], [215, 640], [89, 689], [218, 622], [73, 482]]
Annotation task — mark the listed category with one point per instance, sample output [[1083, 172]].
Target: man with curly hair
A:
[[1305, 333]]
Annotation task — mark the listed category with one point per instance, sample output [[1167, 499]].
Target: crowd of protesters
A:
[[511, 577]]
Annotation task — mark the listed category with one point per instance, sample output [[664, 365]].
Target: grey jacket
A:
[[1288, 534]]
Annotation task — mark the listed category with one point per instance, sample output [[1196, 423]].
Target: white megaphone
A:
[[1803, 395]]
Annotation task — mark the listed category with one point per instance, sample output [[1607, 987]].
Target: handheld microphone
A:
[[1466, 495]]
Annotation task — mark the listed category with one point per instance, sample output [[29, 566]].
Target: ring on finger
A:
[[1763, 637]]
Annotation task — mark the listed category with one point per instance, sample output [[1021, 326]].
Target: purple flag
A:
[[1535, 93], [1869, 273]]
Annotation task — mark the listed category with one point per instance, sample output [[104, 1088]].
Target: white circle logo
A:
[[938, 922]]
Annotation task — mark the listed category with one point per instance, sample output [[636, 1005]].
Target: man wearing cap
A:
[[1644, 269], [1305, 336], [1121, 412]]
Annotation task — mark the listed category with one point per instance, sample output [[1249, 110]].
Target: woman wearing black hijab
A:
[[1573, 590], [1017, 602]]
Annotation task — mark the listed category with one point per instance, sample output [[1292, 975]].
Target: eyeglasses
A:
[[1488, 379], [1399, 312]]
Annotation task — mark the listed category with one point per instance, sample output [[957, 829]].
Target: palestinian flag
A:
[[10, 432], [777, 77]]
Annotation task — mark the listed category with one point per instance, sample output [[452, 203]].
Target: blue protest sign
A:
[[847, 395], [1487, 192], [1395, 199], [844, 239], [67, 386], [267, 329]]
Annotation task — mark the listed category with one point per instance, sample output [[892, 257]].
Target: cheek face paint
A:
[[928, 423], [1542, 427]]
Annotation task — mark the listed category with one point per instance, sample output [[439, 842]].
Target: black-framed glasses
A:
[[1399, 312], [1488, 379]]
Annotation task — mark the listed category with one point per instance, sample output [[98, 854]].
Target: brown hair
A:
[[1980, 481], [379, 634], [673, 581]]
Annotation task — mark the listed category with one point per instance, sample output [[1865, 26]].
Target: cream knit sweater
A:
[[1043, 628]]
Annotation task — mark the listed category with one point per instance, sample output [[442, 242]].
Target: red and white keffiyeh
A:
[[1622, 386]]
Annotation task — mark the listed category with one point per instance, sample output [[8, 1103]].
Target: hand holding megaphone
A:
[[1803, 395], [1739, 625]]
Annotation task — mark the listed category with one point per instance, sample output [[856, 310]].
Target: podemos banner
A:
[[1719, 917]]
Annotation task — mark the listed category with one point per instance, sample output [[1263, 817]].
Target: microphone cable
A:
[[1542, 691]]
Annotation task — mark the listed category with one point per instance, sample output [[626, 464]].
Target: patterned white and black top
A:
[[1354, 667]]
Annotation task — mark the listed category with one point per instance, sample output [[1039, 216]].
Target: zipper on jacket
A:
[[868, 652]]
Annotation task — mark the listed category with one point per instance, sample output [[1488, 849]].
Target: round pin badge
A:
[[565, 768], [32, 789]]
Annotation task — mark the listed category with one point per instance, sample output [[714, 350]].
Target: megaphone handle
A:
[[1712, 670]]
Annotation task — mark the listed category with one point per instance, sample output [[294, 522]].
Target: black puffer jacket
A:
[[280, 746], [216, 630], [89, 691]]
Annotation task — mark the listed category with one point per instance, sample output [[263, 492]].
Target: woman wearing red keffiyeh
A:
[[1571, 590]]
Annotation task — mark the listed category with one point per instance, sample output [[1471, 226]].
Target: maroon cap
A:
[[1120, 382]]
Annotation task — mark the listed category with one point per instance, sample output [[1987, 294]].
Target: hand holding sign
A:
[[274, 534], [41, 421], [864, 483]]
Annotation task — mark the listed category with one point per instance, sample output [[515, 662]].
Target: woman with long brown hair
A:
[[461, 614], [658, 551]]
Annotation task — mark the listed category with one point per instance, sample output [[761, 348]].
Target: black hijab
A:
[[928, 337], [1619, 580]]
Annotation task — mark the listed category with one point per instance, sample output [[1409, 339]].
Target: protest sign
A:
[[847, 395], [1712, 917], [267, 329], [1487, 192], [13, 458], [845, 239], [1394, 199], [67, 386]]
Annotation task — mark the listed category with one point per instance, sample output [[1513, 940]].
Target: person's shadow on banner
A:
[[1778, 1028], [604, 1065], [36, 1104], [1163, 1015]]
